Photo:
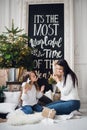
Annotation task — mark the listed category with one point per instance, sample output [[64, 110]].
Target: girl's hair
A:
[[25, 77], [29, 76], [67, 70]]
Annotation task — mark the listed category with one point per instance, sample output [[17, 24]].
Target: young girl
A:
[[31, 94], [67, 83]]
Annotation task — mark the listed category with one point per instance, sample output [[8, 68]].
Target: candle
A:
[[53, 66]]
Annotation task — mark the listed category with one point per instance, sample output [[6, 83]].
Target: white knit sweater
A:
[[68, 91], [31, 97]]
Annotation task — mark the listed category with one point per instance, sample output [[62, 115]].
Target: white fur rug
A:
[[19, 118]]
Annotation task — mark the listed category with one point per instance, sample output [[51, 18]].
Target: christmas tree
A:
[[14, 49]]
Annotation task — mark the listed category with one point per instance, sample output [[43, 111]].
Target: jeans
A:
[[64, 107], [27, 109]]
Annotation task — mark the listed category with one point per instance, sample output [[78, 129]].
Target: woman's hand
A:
[[42, 88], [55, 77]]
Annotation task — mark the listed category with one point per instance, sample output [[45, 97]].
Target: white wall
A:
[[80, 35]]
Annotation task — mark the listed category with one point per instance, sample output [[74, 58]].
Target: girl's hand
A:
[[42, 88], [26, 88]]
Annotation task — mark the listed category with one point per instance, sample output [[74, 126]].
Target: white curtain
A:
[[80, 16], [13, 9]]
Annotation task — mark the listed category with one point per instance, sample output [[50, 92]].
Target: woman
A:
[[67, 83], [31, 94]]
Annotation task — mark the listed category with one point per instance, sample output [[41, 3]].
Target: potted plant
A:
[[2, 96], [14, 49]]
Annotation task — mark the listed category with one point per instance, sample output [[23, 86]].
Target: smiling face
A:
[[33, 77], [59, 70]]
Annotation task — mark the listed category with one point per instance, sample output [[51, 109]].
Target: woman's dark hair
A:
[[67, 70]]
